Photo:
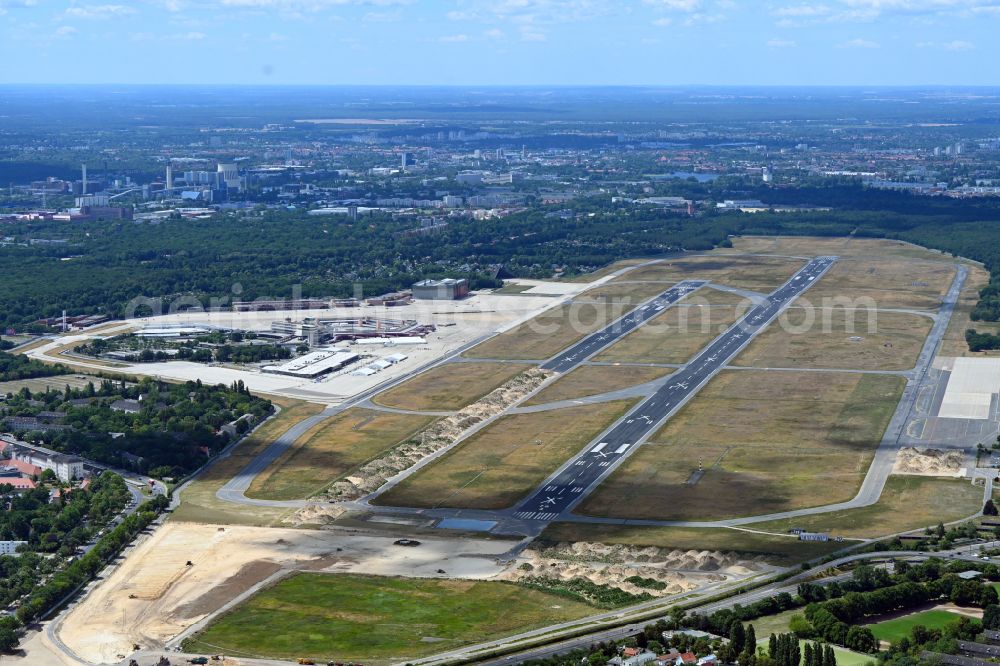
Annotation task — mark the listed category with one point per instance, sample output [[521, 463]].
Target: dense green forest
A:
[[175, 430], [280, 253], [13, 367]]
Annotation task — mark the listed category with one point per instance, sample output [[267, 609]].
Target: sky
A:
[[502, 42]]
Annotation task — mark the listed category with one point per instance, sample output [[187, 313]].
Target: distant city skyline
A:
[[502, 42]]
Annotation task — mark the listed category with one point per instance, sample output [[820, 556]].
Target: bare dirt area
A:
[[154, 594], [929, 462]]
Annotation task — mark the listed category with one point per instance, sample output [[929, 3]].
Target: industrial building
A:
[[315, 364], [448, 289]]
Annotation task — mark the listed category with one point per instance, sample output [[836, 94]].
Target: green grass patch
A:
[[378, 619], [896, 628]]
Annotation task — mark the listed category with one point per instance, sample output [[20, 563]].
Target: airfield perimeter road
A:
[[579, 475]]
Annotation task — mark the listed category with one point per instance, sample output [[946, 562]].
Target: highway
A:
[[578, 476], [595, 342]]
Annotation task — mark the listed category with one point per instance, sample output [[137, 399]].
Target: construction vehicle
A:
[[309, 662], [198, 660]]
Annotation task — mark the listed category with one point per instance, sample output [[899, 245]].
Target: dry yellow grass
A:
[[810, 246], [882, 282], [954, 343], [759, 273], [627, 293], [839, 339], [198, 501], [776, 549], [450, 386], [332, 449], [672, 336], [589, 380], [549, 332], [907, 503], [769, 441], [502, 463], [605, 270]]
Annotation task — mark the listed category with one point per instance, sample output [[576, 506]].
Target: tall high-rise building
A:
[[406, 159], [170, 177], [230, 174], [83, 184]]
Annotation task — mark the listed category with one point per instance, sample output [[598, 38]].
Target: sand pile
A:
[[678, 570], [316, 514], [440, 435], [663, 558], [612, 575], [929, 462]]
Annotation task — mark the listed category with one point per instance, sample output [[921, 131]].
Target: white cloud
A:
[[98, 11], [859, 43], [65, 31], [663, 22], [454, 39], [954, 45], [781, 44], [192, 36], [867, 11], [675, 5]]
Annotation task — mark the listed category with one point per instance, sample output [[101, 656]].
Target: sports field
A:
[[450, 386], [767, 442], [503, 462], [380, 619], [332, 449], [895, 629]]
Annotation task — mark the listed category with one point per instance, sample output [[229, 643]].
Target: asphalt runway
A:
[[573, 481], [595, 342]]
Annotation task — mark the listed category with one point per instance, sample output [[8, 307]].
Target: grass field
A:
[[553, 330], [768, 441], [775, 549], [57, 383], [907, 503], [853, 246], [631, 293], [672, 336], [895, 629], [588, 380], [347, 617], [822, 338], [954, 343], [886, 282], [450, 386], [503, 462], [760, 273], [845, 657], [332, 449], [198, 501], [605, 270]]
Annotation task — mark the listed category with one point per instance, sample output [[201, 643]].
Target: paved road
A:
[[595, 342], [578, 476]]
